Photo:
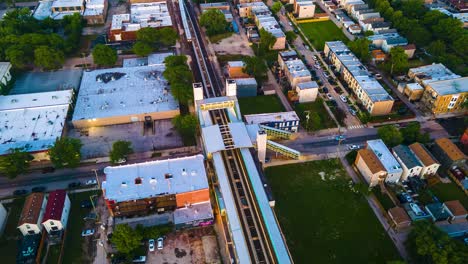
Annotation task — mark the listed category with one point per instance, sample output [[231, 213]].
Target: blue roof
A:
[[407, 156], [383, 154]]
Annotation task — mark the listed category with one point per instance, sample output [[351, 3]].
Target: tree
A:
[[153, 231], [390, 135], [412, 133], [17, 56], [426, 243], [432, 18], [186, 125], [104, 55], [315, 121], [142, 49], [256, 67], [214, 22], [360, 47], [152, 38], [178, 74], [125, 238], [66, 152], [120, 150], [267, 40], [290, 36], [398, 60], [48, 58], [167, 36], [448, 29], [276, 7], [15, 162], [413, 8], [437, 48], [368, 33]]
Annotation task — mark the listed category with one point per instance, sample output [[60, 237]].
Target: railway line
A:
[[255, 233]]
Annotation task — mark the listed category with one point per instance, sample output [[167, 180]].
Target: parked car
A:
[[87, 232], [337, 90], [139, 259], [353, 147], [91, 182], [352, 111], [38, 189], [378, 76], [20, 192], [415, 208], [74, 185], [340, 137], [329, 96], [160, 243], [407, 197], [333, 102], [343, 98], [457, 173], [325, 89], [90, 216], [151, 245]]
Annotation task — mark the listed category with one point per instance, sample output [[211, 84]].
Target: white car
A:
[[87, 232], [353, 147], [378, 76], [343, 98], [160, 243], [329, 96], [151, 245], [91, 182]]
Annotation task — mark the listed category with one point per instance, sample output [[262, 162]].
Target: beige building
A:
[[367, 89], [446, 96], [430, 164], [304, 8], [293, 67], [414, 91], [370, 167], [307, 91]]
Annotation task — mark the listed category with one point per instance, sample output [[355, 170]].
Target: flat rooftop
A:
[[32, 121], [433, 72], [123, 91], [153, 178], [452, 86], [383, 154], [143, 15], [297, 68], [196, 212], [407, 156], [67, 3], [43, 10], [94, 7], [308, 85], [271, 117]]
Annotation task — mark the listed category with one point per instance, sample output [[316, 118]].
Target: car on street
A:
[[325, 89], [86, 204], [352, 111], [343, 98], [333, 102], [160, 243], [38, 189], [340, 137], [290, 24], [406, 198], [74, 185], [353, 147], [317, 66], [296, 31], [151, 245], [87, 232], [91, 182], [457, 173], [329, 96], [326, 75], [90, 216], [337, 90], [378, 76], [20, 192]]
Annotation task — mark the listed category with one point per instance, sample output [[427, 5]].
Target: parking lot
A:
[[97, 141], [191, 246]]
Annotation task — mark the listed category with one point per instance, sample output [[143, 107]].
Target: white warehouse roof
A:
[[153, 178], [271, 117], [32, 121]]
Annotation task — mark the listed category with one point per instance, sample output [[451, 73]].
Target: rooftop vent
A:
[[138, 180], [124, 184], [168, 175]]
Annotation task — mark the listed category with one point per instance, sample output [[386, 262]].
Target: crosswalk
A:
[[356, 126]]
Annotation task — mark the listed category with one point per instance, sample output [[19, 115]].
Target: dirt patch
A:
[[211, 249], [235, 44]]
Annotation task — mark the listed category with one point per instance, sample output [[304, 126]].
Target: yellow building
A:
[[446, 96]]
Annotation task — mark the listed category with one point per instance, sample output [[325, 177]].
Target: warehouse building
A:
[[33, 121], [288, 121], [156, 186], [123, 95]]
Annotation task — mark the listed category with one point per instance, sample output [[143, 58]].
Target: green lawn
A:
[[384, 200], [320, 32], [260, 104], [8, 241], [53, 255], [73, 245], [449, 192], [314, 107], [323, 220]]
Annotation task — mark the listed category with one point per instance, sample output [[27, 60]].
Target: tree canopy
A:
[[412, 133], [48, 58], [398, 60], [186, 125], [428, 244], [125, 238], [360, 47], [15, 162], [180, 77], [390, 135], [290, 36], [276, 7], [267, 40], [256, 67], [65, 153], [214, 22], [120, 150], [152, 39], [104, 55]]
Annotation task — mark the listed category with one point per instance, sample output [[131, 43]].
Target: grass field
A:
[[314, 107], [319, 32], [448, 192], [260, 104], [8, 241], [323, 220]]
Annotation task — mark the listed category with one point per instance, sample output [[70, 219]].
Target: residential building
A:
[[438, 212], [459, 5], [241, 87], [293, 67], [32, 214], [56, 213], [288, 121], [353, 8], [354, 29], [367, 89], [236, 69], [448, 154], [391, 165], [155, 186], [304, 8], [378, 55], [409, 49], [224, 7], [414, 91], [5, 75], [33, 121], [124, 95], [200, 214], [370, 167], [307, 91], [427, 74], [366, 23], [363, 14], [377, 26], [61, 8], [454, 230], [464, 140], [430, 164], [446, 96], [246, 9], [456, 210], [409, 162], [387, 41], [142, 15], [3, 218], [399, 217], [95, 12]]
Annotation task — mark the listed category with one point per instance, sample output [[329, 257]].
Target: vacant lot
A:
[[323, 220], [444, 192], [314, 107], [260, 104], [319, 32]]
